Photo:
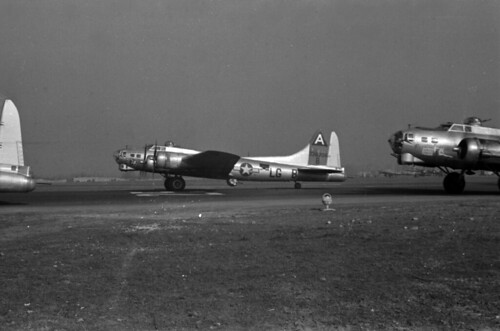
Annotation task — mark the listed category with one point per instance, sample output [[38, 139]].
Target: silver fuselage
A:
[[169, 161]]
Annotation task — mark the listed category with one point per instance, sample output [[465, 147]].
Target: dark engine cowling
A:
[[474, 150]]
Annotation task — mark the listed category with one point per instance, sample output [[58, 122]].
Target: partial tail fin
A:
[[14, 176], [11, 144]]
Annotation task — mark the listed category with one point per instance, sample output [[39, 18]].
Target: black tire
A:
[[177, 184], [298, 186], [168, 185], [454, 183]]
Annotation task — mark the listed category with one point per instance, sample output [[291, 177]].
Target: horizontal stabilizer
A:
[[321, 171]]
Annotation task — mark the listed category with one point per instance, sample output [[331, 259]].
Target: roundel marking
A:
[[246, 169]]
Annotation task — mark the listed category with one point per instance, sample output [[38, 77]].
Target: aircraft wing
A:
[[209, 164]]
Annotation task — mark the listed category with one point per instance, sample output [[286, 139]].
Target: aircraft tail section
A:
[[11, 145], [14, 175], [319, 152]]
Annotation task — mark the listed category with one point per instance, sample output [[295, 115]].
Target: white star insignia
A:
[[246, 169]]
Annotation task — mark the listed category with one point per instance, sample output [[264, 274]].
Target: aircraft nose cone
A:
[[395, 141], [116, 155]]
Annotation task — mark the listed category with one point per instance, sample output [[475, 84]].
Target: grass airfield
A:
[[430, 263]]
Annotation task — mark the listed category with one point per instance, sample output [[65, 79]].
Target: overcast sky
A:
[[254, 77]]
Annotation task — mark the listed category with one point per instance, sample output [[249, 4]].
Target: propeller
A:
[[144, 160], [154, 156], [145, 154]]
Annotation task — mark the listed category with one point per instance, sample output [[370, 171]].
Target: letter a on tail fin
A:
[[318, 149], [11, 145]]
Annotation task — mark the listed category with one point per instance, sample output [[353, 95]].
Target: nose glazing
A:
[[396, 142]]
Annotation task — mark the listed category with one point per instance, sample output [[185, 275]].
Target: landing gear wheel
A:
[[232, 182], [175, 183], [454, 183], [298, 186]]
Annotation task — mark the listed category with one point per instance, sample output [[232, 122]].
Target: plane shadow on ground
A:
[[9, 203], [187, 191]]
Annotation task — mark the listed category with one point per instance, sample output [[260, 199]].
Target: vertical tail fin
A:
[[323, 152], [11, 144]]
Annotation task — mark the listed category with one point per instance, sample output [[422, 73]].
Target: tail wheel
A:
[[454, 183], [298, 185], [175, 183]]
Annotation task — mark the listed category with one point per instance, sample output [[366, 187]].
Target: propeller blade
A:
[[154, 156]]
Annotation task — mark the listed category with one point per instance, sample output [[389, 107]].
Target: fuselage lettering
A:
[[277, 172]]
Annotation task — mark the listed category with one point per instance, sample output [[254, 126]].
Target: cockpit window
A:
[[457, 128]]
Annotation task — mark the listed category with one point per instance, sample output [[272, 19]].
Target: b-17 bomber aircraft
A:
[[466, 147], [319, 161], [14, 175]]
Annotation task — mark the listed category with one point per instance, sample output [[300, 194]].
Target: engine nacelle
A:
[[168, 160], [473, 150]]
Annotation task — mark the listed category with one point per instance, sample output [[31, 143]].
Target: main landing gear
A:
[[454, 183], [176, 183]]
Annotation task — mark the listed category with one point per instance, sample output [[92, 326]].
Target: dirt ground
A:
[[380, 266]]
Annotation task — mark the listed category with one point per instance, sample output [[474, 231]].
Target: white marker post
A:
[[327, 201]]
